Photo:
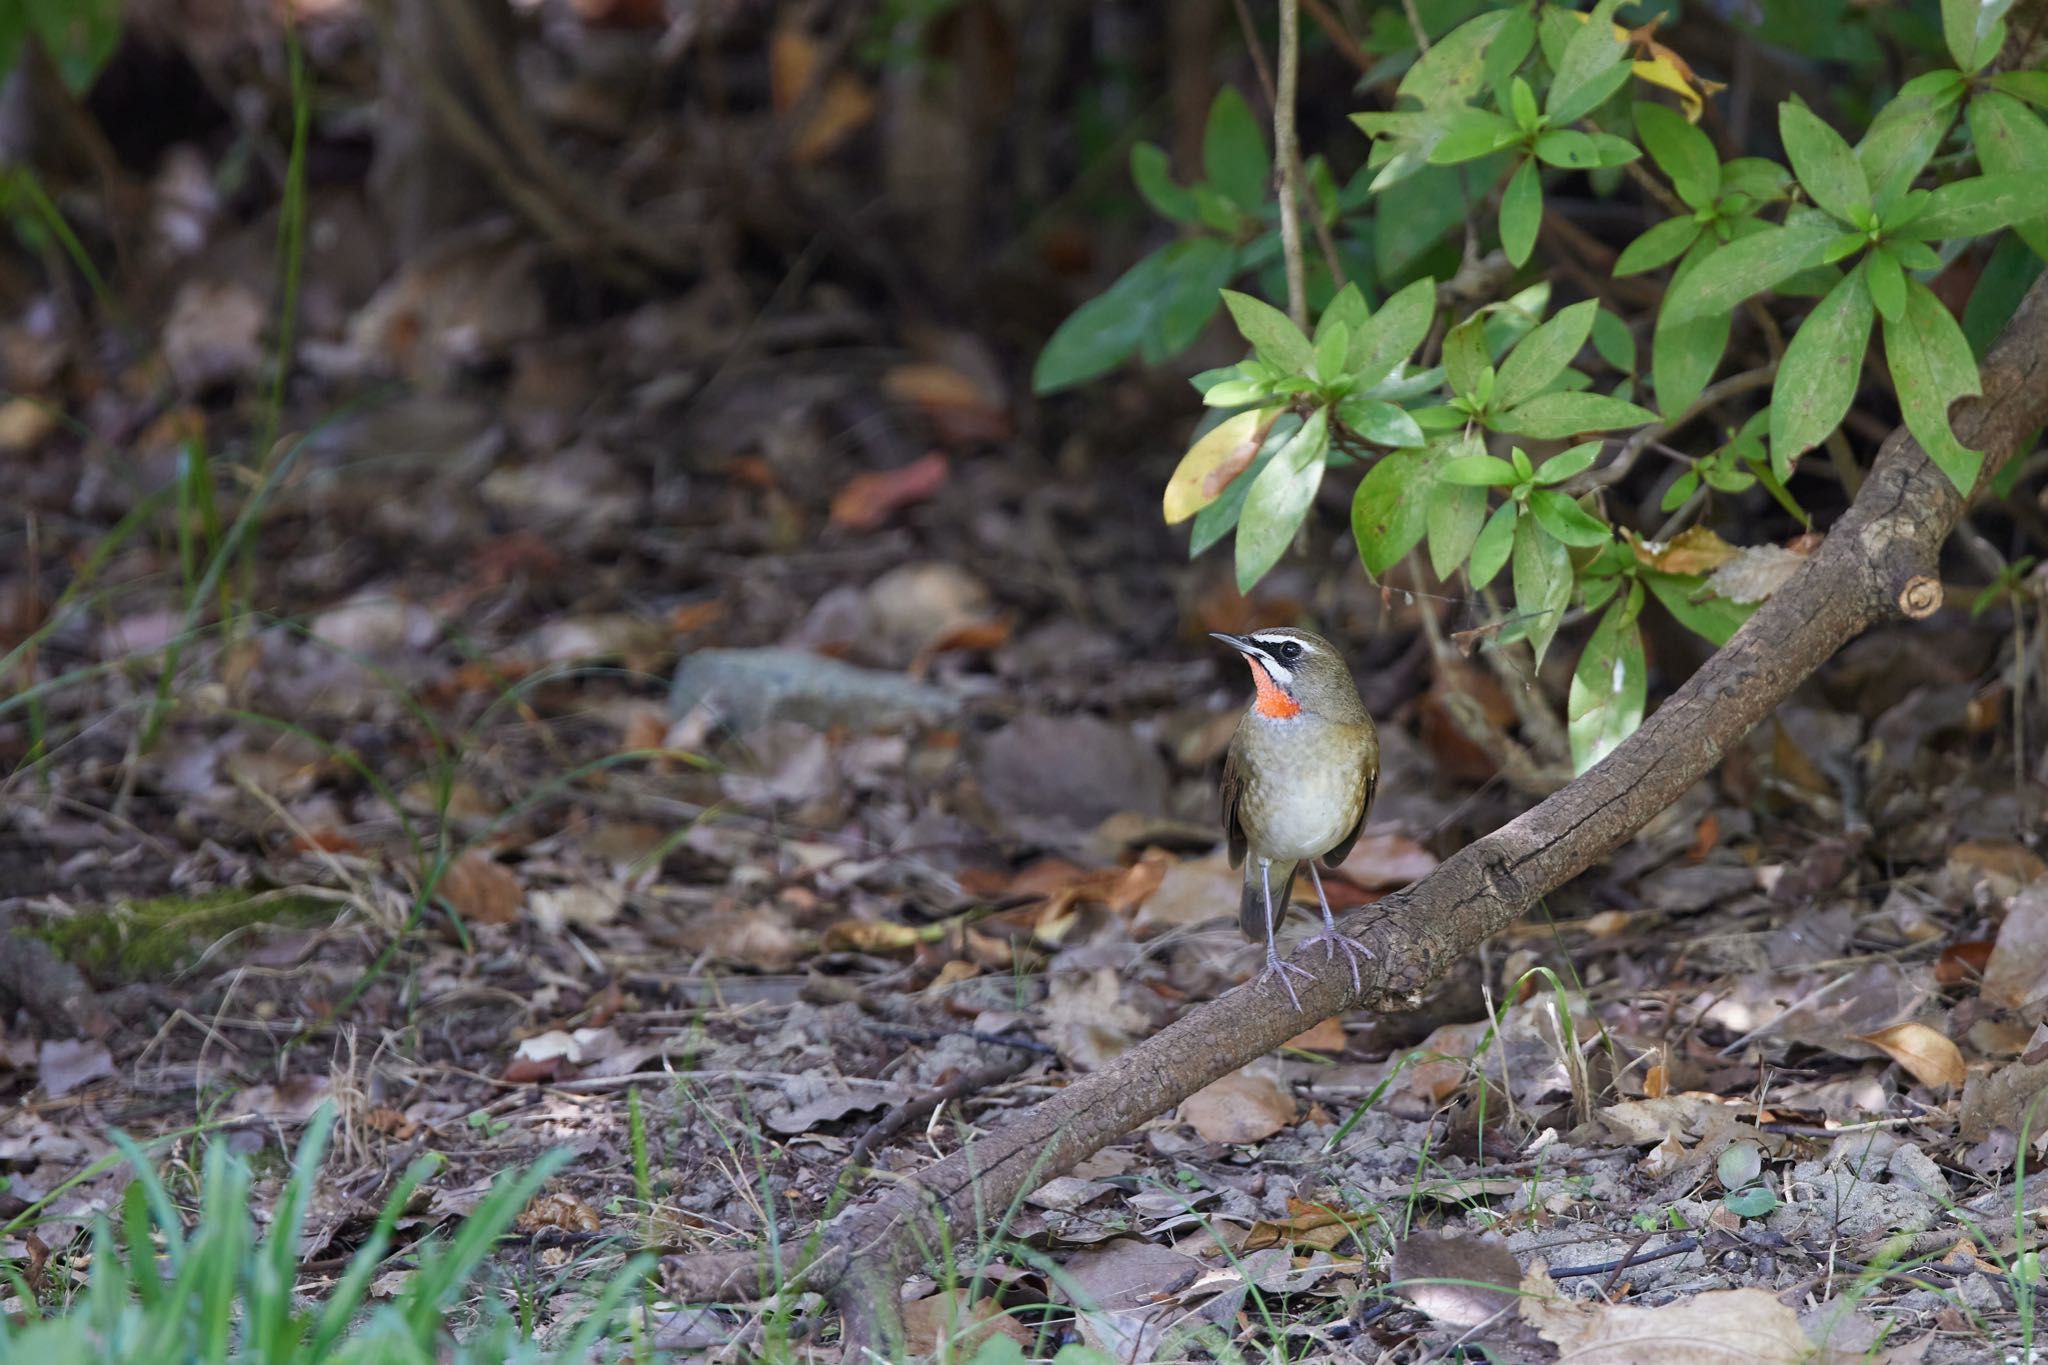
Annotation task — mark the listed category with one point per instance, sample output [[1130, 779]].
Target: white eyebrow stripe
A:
[[1274, 642]]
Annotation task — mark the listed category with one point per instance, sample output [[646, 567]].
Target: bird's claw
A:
[[1353, 950], [1277, 967]]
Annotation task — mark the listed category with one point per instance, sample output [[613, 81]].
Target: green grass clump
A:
[[151, 939], [220, 1292]]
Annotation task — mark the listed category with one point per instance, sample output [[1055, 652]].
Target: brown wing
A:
[[1342, 848], [1231, 788]]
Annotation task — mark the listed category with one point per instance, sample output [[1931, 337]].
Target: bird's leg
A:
[[1330, 938], [1274, 965]]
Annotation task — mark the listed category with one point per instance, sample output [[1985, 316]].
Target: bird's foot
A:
[[1276, 967], [1353, 949]]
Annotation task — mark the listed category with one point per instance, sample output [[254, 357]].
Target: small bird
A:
[[1297, 783]]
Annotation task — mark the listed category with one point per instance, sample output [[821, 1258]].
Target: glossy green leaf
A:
[[1684, 153], [1391, 335], [1168, 296], [1686, 598], [1234, 155], [1758, 179], [1540, 357], [1390, 511], [1280, 498], [1824, 163], [1818, 378], [1614, 342], [1973, 31], [1271, 333], [2011, 139], [1684, 356], [1465, 356], [1479, 471], [1199, 268], [1522, 104], [1348, 307], [1332, 348], [1554, 415], [2031, 86], [1469, 134], [1456, 512], [1543, 583], [1568, 522], [1932, 367], [1153, 175], [1490, 551], [1663, 243], [1380, 422], [1983, 204], [2013, 267], [1755, 1202], [1566, 463], [1887, 283], [1585, 73], [1905, 133], [1609, 686], [1521, 213], [1746, 266], [1568, 149], [1452, 71], [1219, 518]]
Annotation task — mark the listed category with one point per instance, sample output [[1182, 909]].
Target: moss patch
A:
[[136, 940]]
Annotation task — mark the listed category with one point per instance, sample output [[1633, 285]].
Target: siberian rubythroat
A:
[[1297, 784]]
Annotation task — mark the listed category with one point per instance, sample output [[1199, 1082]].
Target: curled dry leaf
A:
[[482, 890], [1222, 454], [2016, 973], [1926, 1054], [559, 1210], [1755, 574], [1693, 551], [1714, 1328], [1248, 1105], [869, 500]]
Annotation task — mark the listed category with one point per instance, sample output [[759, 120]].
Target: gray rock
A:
[[1069, 770], [747, 688]]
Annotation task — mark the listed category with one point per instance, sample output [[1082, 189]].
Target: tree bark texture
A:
[[1877, 563]]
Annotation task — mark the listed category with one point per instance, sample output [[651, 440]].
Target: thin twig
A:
[[1632, 449], [1288, 152]]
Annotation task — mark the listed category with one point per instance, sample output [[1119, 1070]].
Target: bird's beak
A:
[[1239, 645]]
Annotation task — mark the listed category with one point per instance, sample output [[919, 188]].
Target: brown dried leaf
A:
[[947, 1329], [2016, 974], [1248, 1105], [1755, 574], [1927, 1055], [481, 890], [1713, 1328], [869, 500], [560, 1210], [1223, 453], [1693, 551], [1327, 1036]]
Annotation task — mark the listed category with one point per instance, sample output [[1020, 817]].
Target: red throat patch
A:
[[1272, 702]]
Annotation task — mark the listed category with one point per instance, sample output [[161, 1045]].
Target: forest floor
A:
[[392, 796]]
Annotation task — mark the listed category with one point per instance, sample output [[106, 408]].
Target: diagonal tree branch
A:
[[1878, 562]]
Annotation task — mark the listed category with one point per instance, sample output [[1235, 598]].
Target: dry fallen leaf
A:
[[1693, 551], [842, 108], [1926, 1054], [1327, 1036], [1755, 574], [1720, 1327], [2016, 973], [1248, 1105], [560, 1210], [482, 890], [869, 500]]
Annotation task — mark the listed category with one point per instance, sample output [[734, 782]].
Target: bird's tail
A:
[[1251, 904]]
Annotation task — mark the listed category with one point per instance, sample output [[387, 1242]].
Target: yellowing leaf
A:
[[1693, 551], [1928, 1056], [1212, 462], [1660, 66]]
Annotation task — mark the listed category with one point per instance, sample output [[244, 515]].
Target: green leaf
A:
[[1219, 518], [1715, 618], [1542, 355], [1748, 265], [1665, 242], [1456, 512], [1931, 368], [1610, 151], [1169, 296], [2011, 139], [1568, 149], [1817, 380], [1684, 153], [1465, 357], [1391, 335], [1614, 342], [1490, 550], [1905, 133], [1566, 463], [1391, 509], [1824, 163], [1973, 32], [1153, 175], [79, 36], [1523, 101], [1280, 498], [1479, 471], [2007, 275], [1234, 156], [1585, 73], [1348, 307], [1567, 521], [1379, 422], [1608, 687], [1684, 356], [1986, 203], [1272, 334], [1452, 71], [1332, 347], [1754, 1202], [1521, 213], [1887, 283], [2031, 86], [1543, 583], [1553, 415], [1469, 134], [1681, 488]]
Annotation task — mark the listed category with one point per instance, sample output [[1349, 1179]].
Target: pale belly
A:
[[1307, 812]]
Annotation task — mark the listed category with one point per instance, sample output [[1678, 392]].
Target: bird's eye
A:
[[1290, 651]]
